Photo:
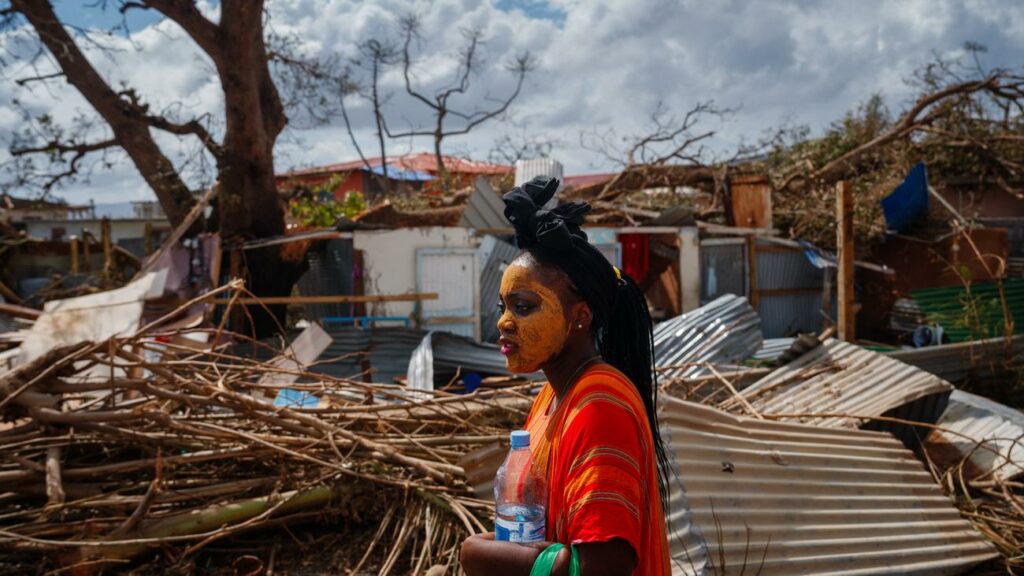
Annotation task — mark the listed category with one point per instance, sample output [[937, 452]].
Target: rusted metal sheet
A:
[[839, 384], [986, 433], [773, 498]]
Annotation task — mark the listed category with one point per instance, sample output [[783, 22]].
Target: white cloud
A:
[[601, 64]]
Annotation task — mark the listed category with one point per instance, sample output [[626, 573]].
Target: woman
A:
[[593, 429]]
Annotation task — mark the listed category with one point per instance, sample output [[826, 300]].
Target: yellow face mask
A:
[[533, 324]]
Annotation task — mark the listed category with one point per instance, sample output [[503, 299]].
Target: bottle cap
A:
[[520, 439]]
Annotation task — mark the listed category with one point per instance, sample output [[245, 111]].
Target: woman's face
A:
[[533, 323]]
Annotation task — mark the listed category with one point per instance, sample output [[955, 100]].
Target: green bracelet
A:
[[546, 561]]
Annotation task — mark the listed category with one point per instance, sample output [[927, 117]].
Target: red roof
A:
[[420, 162], [584, 180]]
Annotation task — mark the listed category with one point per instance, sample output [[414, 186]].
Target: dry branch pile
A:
[[113, 450]]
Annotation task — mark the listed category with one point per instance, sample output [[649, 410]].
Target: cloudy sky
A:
[[602, 65]]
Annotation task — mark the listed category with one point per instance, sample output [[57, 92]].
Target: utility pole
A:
[[844, 243]]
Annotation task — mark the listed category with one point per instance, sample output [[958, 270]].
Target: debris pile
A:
[[134, 444]]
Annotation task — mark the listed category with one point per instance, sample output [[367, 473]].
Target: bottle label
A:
[[512, 531]]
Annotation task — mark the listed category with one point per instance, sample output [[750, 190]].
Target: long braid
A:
[[627, 343]]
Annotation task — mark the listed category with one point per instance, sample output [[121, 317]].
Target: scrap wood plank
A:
[[335, 299], [19, 311]]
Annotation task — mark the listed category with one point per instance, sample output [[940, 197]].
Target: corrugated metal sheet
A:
[[494, 255], [976, 314], [975, 361], [388, 350], [791, 292], [721, 332], [840, 378], [330, 273], [484, 209], [989, 432], [772, 348], [772, 498]]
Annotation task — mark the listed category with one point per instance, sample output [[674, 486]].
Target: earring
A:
[[579, 325]]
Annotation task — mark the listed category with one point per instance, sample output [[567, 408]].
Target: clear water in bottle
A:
[[520, 494]]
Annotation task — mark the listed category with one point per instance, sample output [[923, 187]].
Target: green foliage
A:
[[318, 208]]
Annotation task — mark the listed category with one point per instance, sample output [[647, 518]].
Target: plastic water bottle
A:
[[520, 494]]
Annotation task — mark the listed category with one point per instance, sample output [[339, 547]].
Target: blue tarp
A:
[[396, 173], [909, 201]]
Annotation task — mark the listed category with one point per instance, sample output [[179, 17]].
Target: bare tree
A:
[[668, 140], [521, 144], [441, 101], [253, 117], [375, 57]]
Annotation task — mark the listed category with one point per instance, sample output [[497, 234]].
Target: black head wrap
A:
[[556, 238]]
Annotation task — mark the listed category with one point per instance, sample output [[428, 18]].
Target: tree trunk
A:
[[442, 173], [248, 204]]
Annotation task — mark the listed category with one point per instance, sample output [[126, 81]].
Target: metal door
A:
[[452, 274]]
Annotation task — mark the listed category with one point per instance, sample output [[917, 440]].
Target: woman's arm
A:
[[484, 556]]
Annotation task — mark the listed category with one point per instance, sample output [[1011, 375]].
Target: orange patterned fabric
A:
[[602, 474]]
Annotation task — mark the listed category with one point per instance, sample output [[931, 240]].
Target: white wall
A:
[[389, 258]]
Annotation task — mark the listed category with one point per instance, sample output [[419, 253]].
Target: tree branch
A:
[[185, 14], [131, 131], [192, 127]]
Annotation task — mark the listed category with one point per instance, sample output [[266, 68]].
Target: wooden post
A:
[[826, 300], [86, 256], [755, 294], [147, 239], [844, 242], [235, 315], [689, 268], [108, 250], [74, 254]]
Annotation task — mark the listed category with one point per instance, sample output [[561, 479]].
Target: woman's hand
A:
[[482, 555]]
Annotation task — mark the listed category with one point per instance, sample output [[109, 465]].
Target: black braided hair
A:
[[622, 323]]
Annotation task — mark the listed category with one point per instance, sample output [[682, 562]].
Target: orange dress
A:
[[601, 469]]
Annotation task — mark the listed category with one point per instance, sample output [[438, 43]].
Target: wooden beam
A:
[[336, 299], [689, 268], [86, 255], [844, 241], [755, 293], [108, 251], [74, 254], [147, 239], [19, 311], [9, 295]]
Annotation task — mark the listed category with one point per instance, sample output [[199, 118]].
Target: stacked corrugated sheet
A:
[[839, 384], [986, 433], [723, 331], [772, 498]]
